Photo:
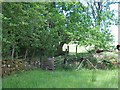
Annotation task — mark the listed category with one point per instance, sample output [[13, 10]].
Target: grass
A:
[[63, 79], [0, 83]]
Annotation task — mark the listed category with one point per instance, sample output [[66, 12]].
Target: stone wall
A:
[[20, 65], [12, 66]]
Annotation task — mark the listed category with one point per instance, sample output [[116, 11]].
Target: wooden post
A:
[[68, 49], [65, 58], [76, 49], [66, 53]]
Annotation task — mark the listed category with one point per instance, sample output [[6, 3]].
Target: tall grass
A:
[[62, 79]]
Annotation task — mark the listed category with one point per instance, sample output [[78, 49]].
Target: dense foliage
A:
[[38, 29]]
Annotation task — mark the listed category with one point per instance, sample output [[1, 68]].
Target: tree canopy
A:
[[42, 28]]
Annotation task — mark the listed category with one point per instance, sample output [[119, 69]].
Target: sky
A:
[[114, 28]]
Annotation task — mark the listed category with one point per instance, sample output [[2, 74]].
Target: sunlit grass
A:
[[63, 79]]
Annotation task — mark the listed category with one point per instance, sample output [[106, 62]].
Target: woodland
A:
[[33, 36]]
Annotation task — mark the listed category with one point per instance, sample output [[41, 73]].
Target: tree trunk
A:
[[33, 54], [17, 55], [26, 52], [13, 50], [59, 48]]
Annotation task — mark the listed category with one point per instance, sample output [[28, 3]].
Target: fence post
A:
[[76, 49], [67, 49]]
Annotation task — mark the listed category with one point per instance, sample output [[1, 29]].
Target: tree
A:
[[102, 18], [38, 29], [87, 28], [26, 28]]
